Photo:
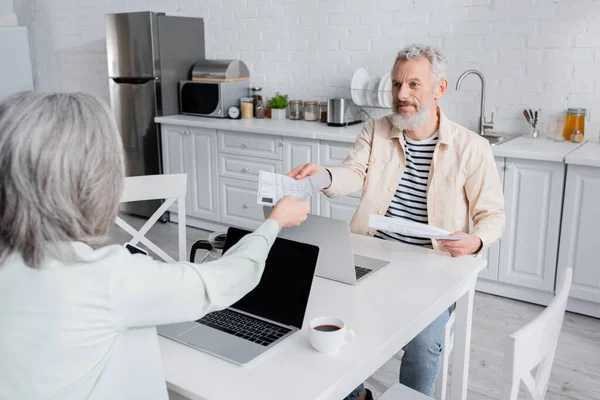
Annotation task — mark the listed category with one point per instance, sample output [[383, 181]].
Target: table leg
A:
[[462, 344]]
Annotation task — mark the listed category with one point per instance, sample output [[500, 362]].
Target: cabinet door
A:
[[202, 187], [579, 236], [175, 153], [339, 208], [533, 201], [238, 203], [492, 254], [332, 154], [193, 151], [301, 151]]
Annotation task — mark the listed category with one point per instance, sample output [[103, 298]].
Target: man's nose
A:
[[403, 92]]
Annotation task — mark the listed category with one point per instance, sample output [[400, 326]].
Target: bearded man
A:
[[417, 165]]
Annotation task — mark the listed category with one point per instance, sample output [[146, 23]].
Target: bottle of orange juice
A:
[[575, 121]]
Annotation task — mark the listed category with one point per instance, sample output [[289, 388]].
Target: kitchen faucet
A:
[[483, 124]]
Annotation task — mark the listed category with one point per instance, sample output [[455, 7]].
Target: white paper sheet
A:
[[410, 228], [273, 187]]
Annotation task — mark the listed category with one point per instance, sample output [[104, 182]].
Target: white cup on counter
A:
[[329, 334]]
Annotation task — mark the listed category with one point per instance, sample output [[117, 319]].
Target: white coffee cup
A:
[[329, 334]]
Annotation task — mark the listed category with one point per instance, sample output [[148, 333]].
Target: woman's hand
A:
[[289, 211]]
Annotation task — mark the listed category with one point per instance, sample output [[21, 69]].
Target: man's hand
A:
[[305, 170], [469, 245]]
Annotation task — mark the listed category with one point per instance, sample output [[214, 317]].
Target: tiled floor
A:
[[576, 370]]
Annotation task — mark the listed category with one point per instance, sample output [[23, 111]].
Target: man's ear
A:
[[441, 89]]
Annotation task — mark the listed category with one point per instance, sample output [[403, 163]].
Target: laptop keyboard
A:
[[360, 271], [244, 327]]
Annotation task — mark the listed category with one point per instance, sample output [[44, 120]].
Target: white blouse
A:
[[86, 329]]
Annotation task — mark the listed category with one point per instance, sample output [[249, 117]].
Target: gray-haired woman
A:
[[76, 316]]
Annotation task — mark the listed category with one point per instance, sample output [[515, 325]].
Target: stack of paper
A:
[[273, 187], [410, 228]]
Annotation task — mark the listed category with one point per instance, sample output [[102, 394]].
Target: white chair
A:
[[531, 347], [534, 346], [171, 188]]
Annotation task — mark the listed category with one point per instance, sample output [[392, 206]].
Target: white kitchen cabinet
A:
[[579, 247], [238, 203], [332, 154], [533, 199], [492, 254], [246, 168], [250, 144], [301, 151], [339, 208], [193, 151]]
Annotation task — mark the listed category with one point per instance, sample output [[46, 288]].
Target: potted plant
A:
[[279, 105]]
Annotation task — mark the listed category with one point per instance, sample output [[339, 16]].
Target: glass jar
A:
[[323, 108], [257, 102], [247, 107], [295, 109], [574, 121], [311, 111]]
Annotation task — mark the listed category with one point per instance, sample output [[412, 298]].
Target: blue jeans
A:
[[421, 360]]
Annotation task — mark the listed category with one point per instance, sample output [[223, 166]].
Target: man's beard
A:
[[414, 121]]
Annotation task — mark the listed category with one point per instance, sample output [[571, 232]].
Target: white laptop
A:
[[336, 258], [266, 316]]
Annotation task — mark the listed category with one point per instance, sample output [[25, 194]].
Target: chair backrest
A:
[[533, 347], [171, 188]]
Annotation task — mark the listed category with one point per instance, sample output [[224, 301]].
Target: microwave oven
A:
[[211, 99]]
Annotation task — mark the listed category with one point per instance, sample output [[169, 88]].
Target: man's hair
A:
[[439, 63], [62, 173]]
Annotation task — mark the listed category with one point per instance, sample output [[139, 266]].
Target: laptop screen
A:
[[282, 293]]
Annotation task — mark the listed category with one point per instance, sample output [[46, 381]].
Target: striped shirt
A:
[[410, 200]]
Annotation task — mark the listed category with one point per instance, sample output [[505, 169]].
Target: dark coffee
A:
[[327, 328]]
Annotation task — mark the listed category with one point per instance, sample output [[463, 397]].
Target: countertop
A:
[[588, 154], [540, 149], [286, 127], [520, 147]]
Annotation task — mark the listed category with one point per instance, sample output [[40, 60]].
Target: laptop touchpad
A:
[[172, 330]]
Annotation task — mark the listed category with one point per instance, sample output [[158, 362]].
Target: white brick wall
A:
[[534, 53]]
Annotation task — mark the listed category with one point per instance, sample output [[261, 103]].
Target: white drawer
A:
[[250, 144], [246, 168], [334, 153], [238, 203]]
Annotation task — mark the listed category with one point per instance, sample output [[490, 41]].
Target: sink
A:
[[494, 140]]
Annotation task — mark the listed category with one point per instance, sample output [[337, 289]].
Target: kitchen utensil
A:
[[373, 92], [342, 112], [381, 93], [360, 79], [526, 114]]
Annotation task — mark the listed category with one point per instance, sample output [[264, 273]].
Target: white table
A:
[[386, 311]]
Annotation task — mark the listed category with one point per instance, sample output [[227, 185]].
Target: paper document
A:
[[273, 187], [410, 228]]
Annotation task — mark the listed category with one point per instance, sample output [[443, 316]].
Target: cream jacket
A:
[[463, 179]]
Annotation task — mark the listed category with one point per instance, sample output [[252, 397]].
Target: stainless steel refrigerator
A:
[[148, 54]]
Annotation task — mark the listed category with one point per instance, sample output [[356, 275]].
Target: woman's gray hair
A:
[[62, 173], [439, 63]]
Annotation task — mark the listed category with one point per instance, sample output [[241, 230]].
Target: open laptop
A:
[[336, 258], [266, 316]]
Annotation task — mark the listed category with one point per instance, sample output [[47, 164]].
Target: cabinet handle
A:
[[283, 143], [245, 144], [246, 169], [246, 206], [509, 167]]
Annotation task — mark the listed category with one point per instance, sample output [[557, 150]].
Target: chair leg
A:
[[441, 382]]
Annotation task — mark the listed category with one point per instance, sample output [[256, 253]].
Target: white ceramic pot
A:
[[277, 113]]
